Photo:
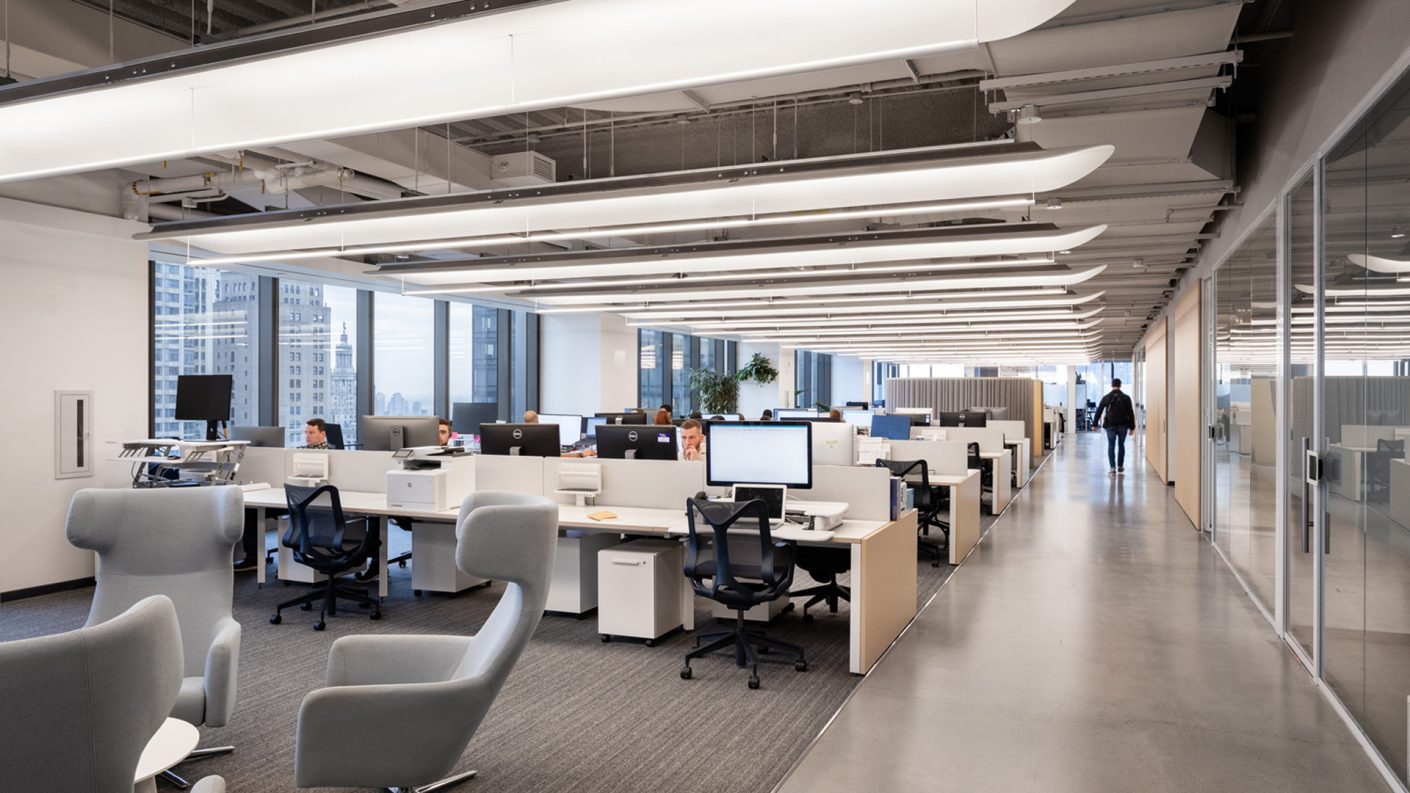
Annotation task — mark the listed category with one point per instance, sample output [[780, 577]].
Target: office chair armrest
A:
[[222, 672], [386, 735], [374, 660]]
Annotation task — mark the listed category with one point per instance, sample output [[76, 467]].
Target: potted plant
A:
[[759, 370], [718, 391]]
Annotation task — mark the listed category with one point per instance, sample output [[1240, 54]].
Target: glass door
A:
[[1298, 348]]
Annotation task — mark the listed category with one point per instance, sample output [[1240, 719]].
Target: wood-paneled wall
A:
[[1156, 399], [1186, 436]]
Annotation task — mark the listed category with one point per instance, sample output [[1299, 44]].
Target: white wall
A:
[[754, 398], [849, 380], [73, 312], [589, 363]]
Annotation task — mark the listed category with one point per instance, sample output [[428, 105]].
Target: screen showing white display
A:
[[795, 413], [861, 418], [570, 428], [759, 452]]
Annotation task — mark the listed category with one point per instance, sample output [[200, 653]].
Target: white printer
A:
[[430, 478], [824, 515]]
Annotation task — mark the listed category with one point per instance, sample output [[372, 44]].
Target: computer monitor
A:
[[335, 435], [590, 425], [861, 405], [570, 427], [832, 443], [861, 418], [390, 433], [204, 397], [963, 418], [786, 414], [759, 453], [259, 436], [623, 418], [521, 440], [637, 442], [466, 417], [923, 415], [994, 413], [896, 428]]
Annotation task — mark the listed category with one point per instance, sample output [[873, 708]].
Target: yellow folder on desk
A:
[[602, 515]]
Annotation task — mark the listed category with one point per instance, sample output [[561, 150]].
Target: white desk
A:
[[883, 573], [1400, 492], [964, 511], [174, 740], [1349, 482], [1003, 487]]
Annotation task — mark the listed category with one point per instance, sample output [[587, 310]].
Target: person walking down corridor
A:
[[1120, 421]]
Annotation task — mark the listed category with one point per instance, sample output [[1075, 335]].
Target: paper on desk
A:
[[602, 515]]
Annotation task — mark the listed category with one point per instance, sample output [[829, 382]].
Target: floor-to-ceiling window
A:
[[474, 353], [814, 379], [403, 355], [205, 321], [317, 367]]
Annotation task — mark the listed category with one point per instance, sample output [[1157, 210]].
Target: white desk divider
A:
[[1013, 430], [646, 484], [867, 491], [942, 457], [989, 439], [511, 473], [352, 469], [263, 464], [1362, 435]]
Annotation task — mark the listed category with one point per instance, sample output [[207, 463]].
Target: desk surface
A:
[[174, 740], [358, 501]]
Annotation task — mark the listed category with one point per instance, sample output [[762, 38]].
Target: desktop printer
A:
[[308, 469], [823, 515], [430, 479]]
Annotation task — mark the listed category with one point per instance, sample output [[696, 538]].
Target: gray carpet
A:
[[576, 714]]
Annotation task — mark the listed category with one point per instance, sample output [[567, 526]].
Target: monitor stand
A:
[[212, 430]]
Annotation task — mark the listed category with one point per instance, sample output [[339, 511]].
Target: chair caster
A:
[[935, 564], [275, 620], [685, 673], [754, 682], [305, 606], [606, 638], [402, 565], [650, 642], [320, 625], [807, 618], [800, 666], [376, 615], [416, 592]]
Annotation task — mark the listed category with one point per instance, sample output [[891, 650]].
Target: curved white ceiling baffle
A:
[[993, 170], [1380, 264], [519, 59], [860, 252]]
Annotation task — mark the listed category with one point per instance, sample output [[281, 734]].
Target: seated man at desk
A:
[[692, 440], [315, 437], [444, 429]]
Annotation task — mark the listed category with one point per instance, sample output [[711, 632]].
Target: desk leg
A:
[[687, 601], [883, 591], [260, 574], [148, 785], [382, 557]]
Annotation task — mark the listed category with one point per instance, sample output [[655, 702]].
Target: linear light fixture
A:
[[608, 232], [874, 286], [748, 275], [1368, 291], [763, 309], [937, 173], [844, 249], [942, 331], [978, 319], [506, 58]]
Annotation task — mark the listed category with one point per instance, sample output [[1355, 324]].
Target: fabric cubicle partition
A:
[[1377, 401], [1021, 395]]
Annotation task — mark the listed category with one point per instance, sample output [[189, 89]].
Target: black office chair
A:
[[986, 474], [322, 538], [335, 435], [823, 565], [930, 503], [739, 585], [1378, 468]]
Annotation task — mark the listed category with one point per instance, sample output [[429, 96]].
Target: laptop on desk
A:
[[774, 496]]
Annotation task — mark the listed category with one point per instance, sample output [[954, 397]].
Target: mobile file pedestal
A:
[[639, 589]]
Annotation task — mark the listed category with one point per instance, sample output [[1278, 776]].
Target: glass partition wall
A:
[[1312, 328], [1245, 420]]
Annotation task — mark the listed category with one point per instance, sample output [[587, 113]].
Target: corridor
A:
[[1092, 642]]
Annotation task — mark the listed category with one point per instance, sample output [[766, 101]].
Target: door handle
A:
[[1306, 502]]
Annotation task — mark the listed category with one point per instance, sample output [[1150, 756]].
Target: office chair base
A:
[[179, 782], [748, 645], [434, 786], [329, 593], [829, 592]]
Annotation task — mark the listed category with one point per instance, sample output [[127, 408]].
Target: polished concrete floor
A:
[[1093, 642]]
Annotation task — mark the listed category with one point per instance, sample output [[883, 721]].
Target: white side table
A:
[[172, 743]]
